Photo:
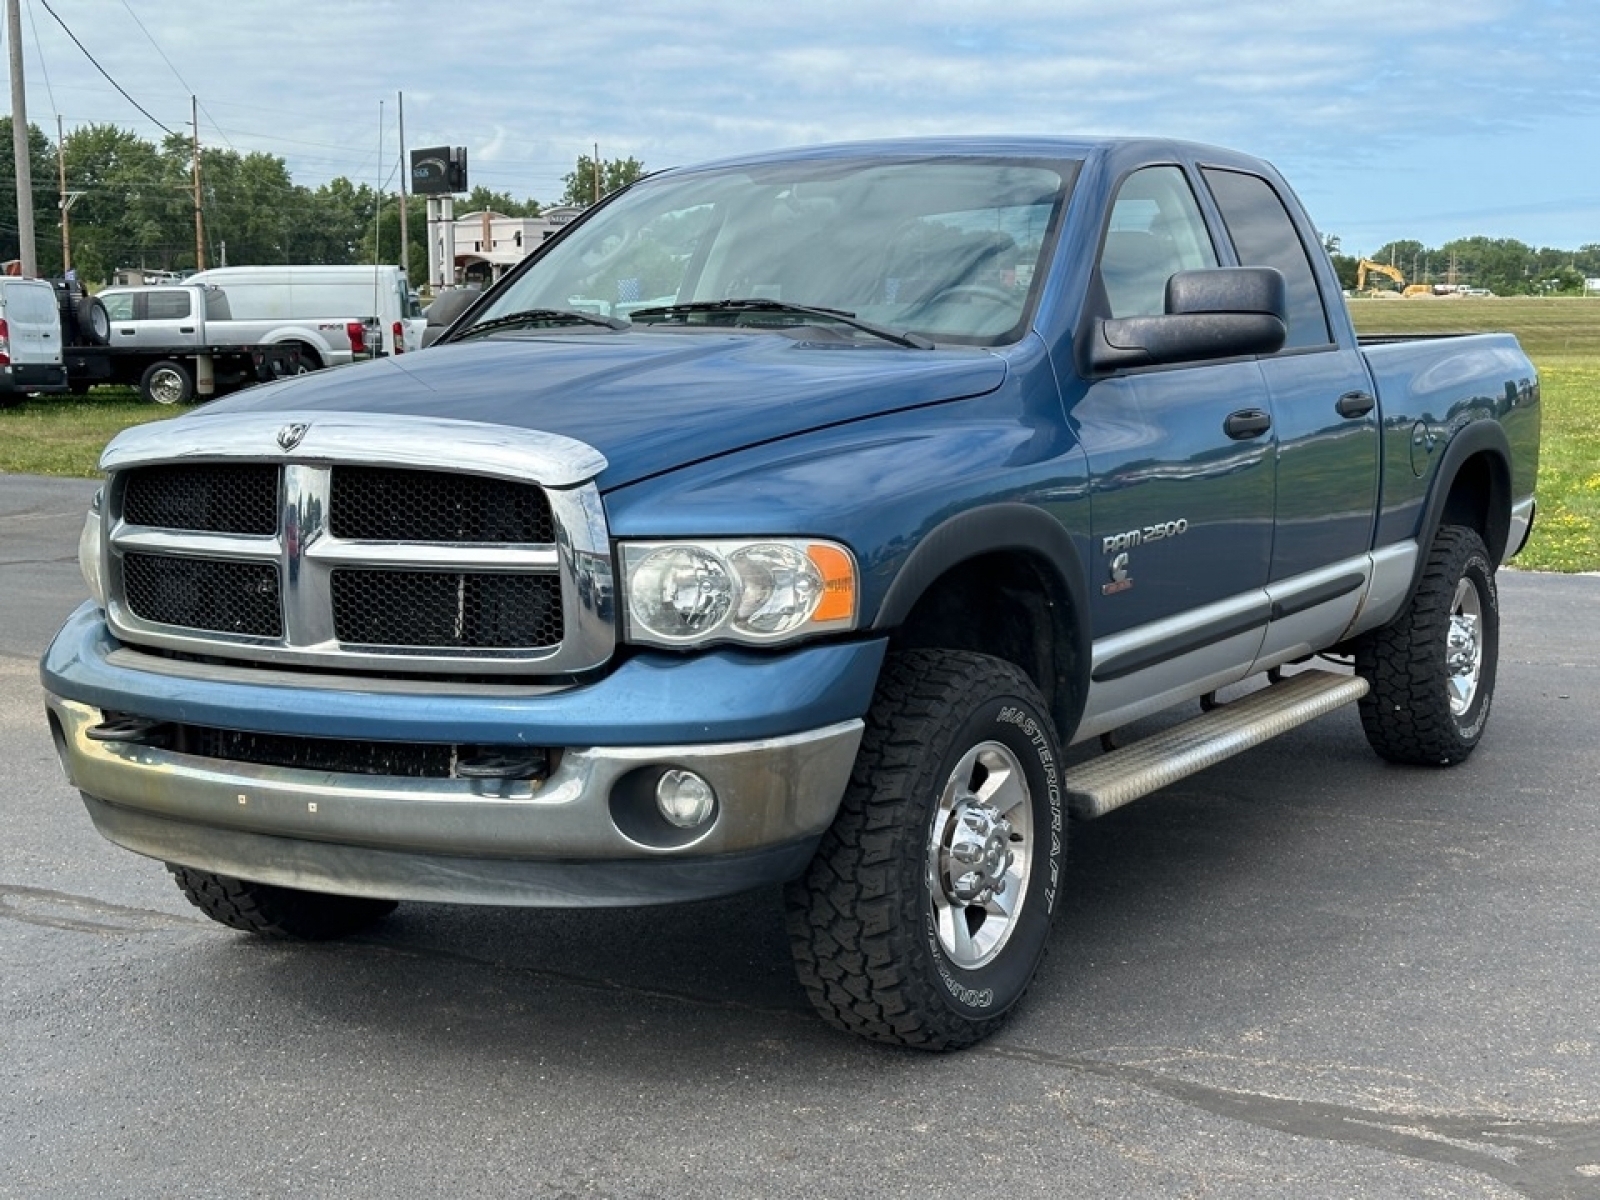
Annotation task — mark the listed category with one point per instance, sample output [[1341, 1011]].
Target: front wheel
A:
[[277, 912], [924, 915], [1432, 669]]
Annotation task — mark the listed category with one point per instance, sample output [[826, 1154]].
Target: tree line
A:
[[132, 205], [1503, 266]]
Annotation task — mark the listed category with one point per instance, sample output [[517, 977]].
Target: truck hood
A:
[[648, 401]]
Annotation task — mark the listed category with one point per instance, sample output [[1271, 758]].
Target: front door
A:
[[1182, 463]]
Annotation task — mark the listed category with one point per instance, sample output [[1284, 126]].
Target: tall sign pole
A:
[[405, 238], [439, 173], [199, 219], [19, 143]]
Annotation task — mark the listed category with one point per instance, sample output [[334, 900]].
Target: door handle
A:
[[185, 328], [1354, 404], [1246, 424]]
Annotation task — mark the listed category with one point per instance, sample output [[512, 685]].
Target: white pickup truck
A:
[[178, 341]]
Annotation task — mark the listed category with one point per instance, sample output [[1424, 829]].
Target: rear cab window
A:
[[1264, 235]]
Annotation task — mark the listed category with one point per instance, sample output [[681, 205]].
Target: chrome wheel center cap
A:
[[980, 852], [1462, 646]]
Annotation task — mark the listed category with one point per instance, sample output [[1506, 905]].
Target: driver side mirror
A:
[[1224, 312]]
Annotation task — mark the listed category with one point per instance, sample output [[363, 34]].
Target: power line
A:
[[99, 68], [39, 49], [176, 74]]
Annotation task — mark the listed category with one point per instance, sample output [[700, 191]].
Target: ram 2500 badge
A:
[[784, 521]]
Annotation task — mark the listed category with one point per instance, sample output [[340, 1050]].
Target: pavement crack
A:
[[1544, 1160]]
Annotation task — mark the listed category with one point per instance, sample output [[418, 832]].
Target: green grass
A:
[[65, 436]]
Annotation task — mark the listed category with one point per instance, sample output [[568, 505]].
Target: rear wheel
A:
[[277, 912], [924, 915], [1432, 669], [166, 382]]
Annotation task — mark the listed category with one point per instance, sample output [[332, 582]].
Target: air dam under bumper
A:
[[559, 842]]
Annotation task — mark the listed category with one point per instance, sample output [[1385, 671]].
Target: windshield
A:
[[947, 248]]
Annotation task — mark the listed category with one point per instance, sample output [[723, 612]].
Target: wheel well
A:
[[1480, 499], [309, 353], [1009, 606]]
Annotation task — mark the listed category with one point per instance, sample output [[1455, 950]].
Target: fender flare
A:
[[1001, 527], [1480, 437]]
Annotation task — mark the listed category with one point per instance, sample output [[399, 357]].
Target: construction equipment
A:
[[1368, 266]]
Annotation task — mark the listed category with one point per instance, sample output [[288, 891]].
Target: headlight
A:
[[759, 592], [89, 559]]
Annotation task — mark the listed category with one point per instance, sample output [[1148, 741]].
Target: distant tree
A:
[[1503, 265], [46, 219], [339, 219], [1345, 267], [1409, 257], [613, 174], [482, 199], [386, 249]]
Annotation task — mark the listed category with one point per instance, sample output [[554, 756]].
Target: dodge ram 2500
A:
[[805, 519]]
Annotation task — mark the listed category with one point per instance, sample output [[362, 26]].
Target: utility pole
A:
[[597, 172], [67, 200], [199, 218], [405, 240], [19, 144]]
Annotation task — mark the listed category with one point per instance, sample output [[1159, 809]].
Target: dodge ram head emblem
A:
[[290, 435]]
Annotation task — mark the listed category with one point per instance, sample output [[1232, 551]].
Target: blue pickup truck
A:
[[819, 518]]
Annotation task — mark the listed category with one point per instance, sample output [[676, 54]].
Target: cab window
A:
[[1264, 236], [166, 306], [1155, 231]]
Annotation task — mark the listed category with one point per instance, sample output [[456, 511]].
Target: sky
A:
[[1423, 119]]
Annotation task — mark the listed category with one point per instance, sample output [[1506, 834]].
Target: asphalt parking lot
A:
[[1302, 974]]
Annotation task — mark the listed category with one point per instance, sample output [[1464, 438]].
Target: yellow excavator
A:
[[1368, 266]]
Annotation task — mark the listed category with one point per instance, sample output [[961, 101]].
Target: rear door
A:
[[34, 318], [1326, 418], [167, 317]]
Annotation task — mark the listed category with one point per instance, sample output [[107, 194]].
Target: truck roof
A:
[[1011, 145]]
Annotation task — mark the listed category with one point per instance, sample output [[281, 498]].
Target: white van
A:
[[309, 293], [30, 339]]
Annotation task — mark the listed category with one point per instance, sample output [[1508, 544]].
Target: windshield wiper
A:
[[838, 316], [540, 316]]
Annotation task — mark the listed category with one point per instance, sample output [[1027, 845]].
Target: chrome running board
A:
[[1096, 787]]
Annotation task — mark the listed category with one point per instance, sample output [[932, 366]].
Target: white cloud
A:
[[1331, 90]]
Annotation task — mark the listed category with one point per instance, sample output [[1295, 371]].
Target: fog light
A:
[[684, 798]]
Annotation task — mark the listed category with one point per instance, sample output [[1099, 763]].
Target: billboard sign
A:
[[439, 171]]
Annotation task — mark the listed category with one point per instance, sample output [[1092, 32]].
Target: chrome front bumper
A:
[[588, 834]]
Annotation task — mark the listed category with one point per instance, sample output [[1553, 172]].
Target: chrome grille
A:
[[361, 546], [435, 506], [210, 497], [199, 593], [433, 608]]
